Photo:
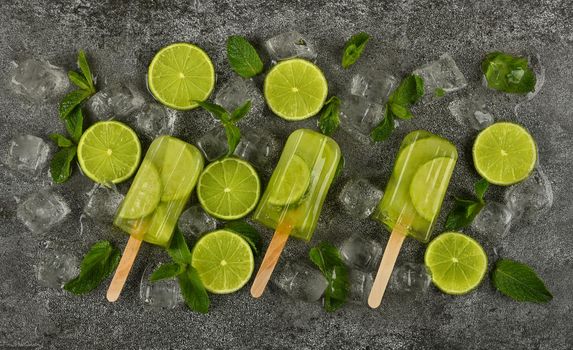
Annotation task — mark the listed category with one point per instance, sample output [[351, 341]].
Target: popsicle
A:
[[294, 196], [156, 198], [413, 197]]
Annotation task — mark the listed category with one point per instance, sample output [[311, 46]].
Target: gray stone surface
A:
[[121, 38]]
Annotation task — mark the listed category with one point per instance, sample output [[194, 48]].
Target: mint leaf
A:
[[519, 282], [480, 188], [383, 130], [248, 232], [439, 92], [463, 213], [168, 270], [330, 116], [61, 140], [78, 80], [71, 101], [508, 73], [217, 111], [178, 249], [60, 165], [75, 124], [240, 112], [410, 90], [85, 68], [327, 258], [354, 48], [400, 111], [233, 137], [193, 291], [339, 167], [243, 57], [99, 262]]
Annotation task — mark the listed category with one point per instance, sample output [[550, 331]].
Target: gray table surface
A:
[[121, 38]]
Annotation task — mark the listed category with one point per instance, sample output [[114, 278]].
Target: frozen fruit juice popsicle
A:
[[413, 197], [294, 196], [156, 198]]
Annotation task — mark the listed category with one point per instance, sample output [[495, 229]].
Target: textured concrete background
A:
[[121, 37]]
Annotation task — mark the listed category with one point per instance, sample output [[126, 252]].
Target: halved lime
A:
[[144, 193], [224, 261], [429, 186], [457, 262], [295, 89], [292, 182], [162, 224], [229, 189], [109, 151], [180, 74], [504, 153]]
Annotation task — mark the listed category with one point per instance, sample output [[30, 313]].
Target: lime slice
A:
[[180, 74], [504, 153], [229, 189], [295, 89], [457, 262], [180, 166], [162, 225], [144, 194], [429, 186], [109, 152], [293, 182], [224, 261]]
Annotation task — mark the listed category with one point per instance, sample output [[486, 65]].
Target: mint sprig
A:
[[330, 116], [508, 73], [410, 90], [327, 258], [98, 263], [249, 234], [519, 282], [354, 48], [229, 120], [71, 114], [168, 270], [243, 57], [466, 209]]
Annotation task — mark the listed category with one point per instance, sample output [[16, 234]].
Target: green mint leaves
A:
[[99, 262], [508, 73], [248, 233], [164, 271], [519, 282], [465, 210], [71, 114], [330, 116], [354, 48], [229, 120], [243, 57], [327, 258], [410, 90]]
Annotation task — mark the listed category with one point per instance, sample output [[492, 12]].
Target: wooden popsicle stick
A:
[[270, 260], [122, 271], [386, 265]]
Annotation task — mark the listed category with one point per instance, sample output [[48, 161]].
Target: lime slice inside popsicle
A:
[[293, 183], [178, 175], [144, 194]]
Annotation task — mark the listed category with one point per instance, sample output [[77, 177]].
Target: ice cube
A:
[[290, 45], [300, 281], [410, 278], [359, 197], [103, 202], [38, 80], [41, 210], [213, 143], [539, 70], [360, 286], [56, 267], [195, 221], [256, 147], [160, 294], [154, 120], [116, 101], [531, 198], [359, 116], [98, 106], [494, 219], [442, 75], [471, 111], [374, 86], [359, 252], [27, 154]]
